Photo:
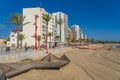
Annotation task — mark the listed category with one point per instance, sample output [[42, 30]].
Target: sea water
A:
[[116, 46]]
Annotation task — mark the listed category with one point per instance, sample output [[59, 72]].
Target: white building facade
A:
[[64, 27], [29, 29], [13, 38], [77, 32]]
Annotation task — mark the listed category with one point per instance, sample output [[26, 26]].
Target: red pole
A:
[[45, 46], [35, 34]]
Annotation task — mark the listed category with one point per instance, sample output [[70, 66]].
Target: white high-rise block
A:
[[29, 29], [59, 15], [77, 32], [13, 38]]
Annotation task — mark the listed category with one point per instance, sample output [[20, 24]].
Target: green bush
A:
[[26, 60]]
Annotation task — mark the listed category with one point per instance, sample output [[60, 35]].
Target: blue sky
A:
[[99, 19]]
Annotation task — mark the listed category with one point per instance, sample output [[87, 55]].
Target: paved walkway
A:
[[14, 55], [48, 62]]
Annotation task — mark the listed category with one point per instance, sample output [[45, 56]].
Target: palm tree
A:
[[80, 40], [39, 39], [74, 39], [57, 37], [7, 39], [70, 35], [21, 38], [50, 35], [46, 18], [68, 39], [60, 22], [17, 20]]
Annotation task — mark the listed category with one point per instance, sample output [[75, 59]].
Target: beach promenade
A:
[[85, 65], [14, 56]]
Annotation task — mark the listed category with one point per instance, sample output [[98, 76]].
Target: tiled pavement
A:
[[19, 55]]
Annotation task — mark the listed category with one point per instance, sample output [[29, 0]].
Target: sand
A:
[[85, 65]]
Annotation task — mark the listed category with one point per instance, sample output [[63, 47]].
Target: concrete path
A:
[[14, 55]]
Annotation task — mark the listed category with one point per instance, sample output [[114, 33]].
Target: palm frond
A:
[[21, 37], [60, 21], [17, 19], [26, 23], [50, 34], [46, 18], [39, 38]]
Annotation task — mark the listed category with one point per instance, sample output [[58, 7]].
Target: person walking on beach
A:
[[2, 75], [109, 49], [55, 44], [26, 48]]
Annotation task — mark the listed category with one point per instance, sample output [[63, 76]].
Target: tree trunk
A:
[[18, 29], [39, 44], [21, 44], [47, 35], [50, 38], [60, 33], [50, 41], [17, 39]]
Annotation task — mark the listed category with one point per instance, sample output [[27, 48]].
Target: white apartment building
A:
[[76, 31], [82, 35], [29, 29], [85, 37], [13, 38], [60, 15]]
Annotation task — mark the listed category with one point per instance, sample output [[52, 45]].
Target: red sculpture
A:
[[35, 34], [45, 46]]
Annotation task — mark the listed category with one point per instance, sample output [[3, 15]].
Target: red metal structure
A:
[[35, 34], [45, 46]]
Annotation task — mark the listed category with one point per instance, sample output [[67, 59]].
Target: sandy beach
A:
[[85, 65]]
